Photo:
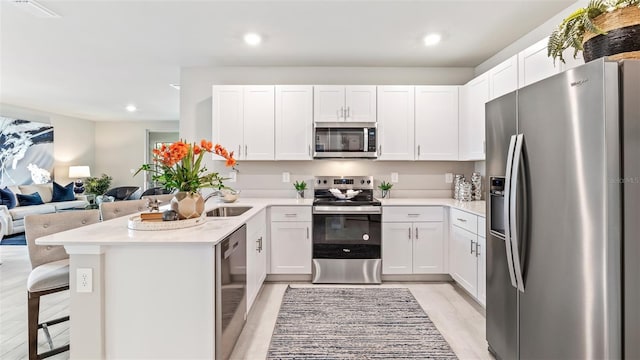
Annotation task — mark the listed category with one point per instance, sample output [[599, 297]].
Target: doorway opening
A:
[[155, 140]]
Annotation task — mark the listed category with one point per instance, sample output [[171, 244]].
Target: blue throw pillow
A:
[[62, 193], [7, 198], [28, 200]]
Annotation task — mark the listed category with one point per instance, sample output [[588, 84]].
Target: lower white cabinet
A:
[[290, 240], [412, 247], [256, 256], [467, 253]]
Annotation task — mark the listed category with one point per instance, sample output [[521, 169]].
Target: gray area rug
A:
[[355, 323]]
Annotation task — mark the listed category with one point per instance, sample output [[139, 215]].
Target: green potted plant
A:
[[386, 189], [95, 187], [300, 186], [603, 28]]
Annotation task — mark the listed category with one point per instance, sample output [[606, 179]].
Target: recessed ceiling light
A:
[[131, 108], [431, 39], [252, 39], [175, 86]]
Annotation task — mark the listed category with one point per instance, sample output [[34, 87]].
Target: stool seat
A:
[[49, 276]]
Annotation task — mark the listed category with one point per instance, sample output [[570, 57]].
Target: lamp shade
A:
[[77, 172]]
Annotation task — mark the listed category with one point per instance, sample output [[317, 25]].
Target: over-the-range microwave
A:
[[345, 140]]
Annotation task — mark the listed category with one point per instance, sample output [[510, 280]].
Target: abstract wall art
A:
[[26, 149]]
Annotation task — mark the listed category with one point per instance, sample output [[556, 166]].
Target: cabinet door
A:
[[328, 103], [395, 122], [294, 122], [462, 259], [504, 78], [228, 118], [482, 270], [570, 61], [397, 248], [360, 103], [475, 94], [436, 122], [534, 64], [290, 247], [428, 248], [259, 123]]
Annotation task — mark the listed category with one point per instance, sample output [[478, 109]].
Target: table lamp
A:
[[79, 173]]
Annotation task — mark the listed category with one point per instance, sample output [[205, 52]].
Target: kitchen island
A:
[[153, 291]]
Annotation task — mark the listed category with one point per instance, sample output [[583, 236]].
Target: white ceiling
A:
[[101, 55]]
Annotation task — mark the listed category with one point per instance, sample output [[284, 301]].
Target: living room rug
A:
[[15, 239], [355, 323]]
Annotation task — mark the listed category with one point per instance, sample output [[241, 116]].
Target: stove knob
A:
[[361, 181], [368, 181], [365, 237], [319, 181], [324, 181]]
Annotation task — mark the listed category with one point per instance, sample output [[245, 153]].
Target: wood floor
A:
[[460, 320]]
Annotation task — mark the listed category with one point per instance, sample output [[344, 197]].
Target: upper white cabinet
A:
[[503, 78], [243, 120], [436, 123], [474, 95], [396, 122], [534, 64], [333, 103], [294, 122]]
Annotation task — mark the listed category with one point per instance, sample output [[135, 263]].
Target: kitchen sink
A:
[[226, 211]]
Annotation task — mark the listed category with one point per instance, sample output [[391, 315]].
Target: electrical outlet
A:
[[232, 176], [394, 177], [84, 280], [286, 177], [448, 178]]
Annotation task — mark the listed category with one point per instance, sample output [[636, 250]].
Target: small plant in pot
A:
[[97, 186], [603, 28], [300, 186], [385, 187]]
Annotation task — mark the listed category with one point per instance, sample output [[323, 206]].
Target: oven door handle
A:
[[338, 210]]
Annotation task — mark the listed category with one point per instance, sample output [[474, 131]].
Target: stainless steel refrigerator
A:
[[563, 216]]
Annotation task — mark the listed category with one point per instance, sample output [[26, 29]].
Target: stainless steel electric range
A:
[[347, 233]]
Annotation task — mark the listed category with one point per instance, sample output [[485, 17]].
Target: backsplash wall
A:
[[416, 179]]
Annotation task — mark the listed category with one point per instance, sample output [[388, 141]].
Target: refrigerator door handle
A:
[[517, 160], [507, 230]]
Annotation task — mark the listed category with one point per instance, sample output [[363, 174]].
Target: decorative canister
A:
[[465, 191], [476, 186], [456, 186]]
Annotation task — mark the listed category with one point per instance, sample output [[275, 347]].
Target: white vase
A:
[[187, 205]]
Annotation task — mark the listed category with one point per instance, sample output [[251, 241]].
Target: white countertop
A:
[[214, 230]]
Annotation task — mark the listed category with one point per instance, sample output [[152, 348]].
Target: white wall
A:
[[73, 142], [120, 148], [264, 178]]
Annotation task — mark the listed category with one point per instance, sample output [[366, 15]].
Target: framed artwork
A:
[[26, 152]]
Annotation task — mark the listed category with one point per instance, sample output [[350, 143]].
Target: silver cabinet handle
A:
[[309, 150], [307, 232], [290, 215], [477, 249], [348, 111], [418, 150], [258, 245], [463, 220], [409, 233], [246, 153], [379, 150], [413, 215], [507, 222], [471, 242], [239, 150], [416, 233], [342, 111]]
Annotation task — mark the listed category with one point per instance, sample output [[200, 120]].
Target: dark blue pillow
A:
[[62, 193], [28, 200], [7, 198]]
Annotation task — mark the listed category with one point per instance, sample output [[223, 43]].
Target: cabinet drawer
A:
[[464, 220], [291, 213], [412, 213], [482, 227]]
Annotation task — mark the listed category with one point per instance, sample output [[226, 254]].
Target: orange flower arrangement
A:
[[179, 166]]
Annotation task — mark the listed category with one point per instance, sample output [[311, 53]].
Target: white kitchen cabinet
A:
[[243, 120], [436, 123], [332, 103], [570, 61], [290, 241], [256, 256], [294, 122], [467, 252], [410, 246], [396, 122], [474, 95], [503, 78], [534, 64]]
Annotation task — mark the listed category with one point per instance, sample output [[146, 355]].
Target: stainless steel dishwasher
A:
[[231, 291]]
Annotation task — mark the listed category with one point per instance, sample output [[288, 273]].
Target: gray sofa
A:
[[12, 220]]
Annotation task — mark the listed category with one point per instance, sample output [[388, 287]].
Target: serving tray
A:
[[136, 223]]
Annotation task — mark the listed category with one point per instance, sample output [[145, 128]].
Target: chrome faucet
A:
[[212, 194]]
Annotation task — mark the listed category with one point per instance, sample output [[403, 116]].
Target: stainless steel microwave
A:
[[345, 140]]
